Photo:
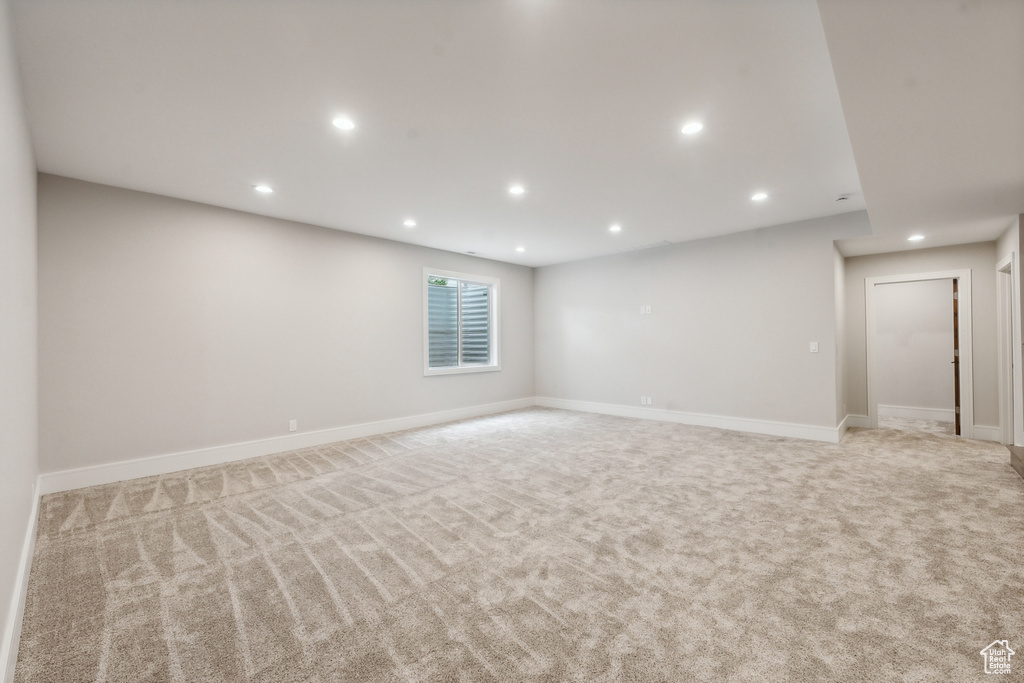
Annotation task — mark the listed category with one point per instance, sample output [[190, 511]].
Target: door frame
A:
[[1006, 309], [965, 341]]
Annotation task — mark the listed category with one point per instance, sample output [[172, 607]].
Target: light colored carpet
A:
[[540, 545], [905, 424]]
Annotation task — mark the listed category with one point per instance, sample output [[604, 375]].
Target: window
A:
[[460, 322]]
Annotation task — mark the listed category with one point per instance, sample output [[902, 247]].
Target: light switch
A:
[[814, 347]]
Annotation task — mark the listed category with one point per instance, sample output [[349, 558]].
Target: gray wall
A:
[[980, 258], [914, 350], [839, 294], [728, 333], [167, 325], [18, 463]]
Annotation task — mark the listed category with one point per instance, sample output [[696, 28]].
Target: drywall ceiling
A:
[[933, 94], [581, 101]]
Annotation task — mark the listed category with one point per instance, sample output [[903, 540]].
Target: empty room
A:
[[511, 340]]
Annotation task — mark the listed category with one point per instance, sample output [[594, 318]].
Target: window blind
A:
[[443, 325], [475, 309]]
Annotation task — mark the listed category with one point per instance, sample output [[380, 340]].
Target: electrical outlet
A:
[[645, 309], [293, 425]]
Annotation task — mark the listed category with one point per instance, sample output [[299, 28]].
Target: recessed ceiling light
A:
[[693, 127], [344, 123], [915, 238], [520, 249], [760, 196], [409, 223], [616, 228], [263, 189], [516, 190]]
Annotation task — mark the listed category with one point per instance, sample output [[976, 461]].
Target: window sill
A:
[[427, 372]]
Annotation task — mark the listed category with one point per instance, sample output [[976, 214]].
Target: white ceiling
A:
[[579, 100], [933, 93]]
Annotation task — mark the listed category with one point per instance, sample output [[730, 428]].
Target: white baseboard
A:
[[986, 433], [851, 421], [66, 480], [913, 413], [12, 623], [789, 429], [857, 421]]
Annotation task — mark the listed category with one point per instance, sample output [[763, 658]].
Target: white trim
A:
[[495, 284], [966, 340], [739, 424], [12, 624], [852, 422], [1018, 360], [1006, 313], [66, 480], [914, 413], [986, 433], [858, 422], [843, 426], [430, 372]]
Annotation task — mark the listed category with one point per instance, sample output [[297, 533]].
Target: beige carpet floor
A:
[[905, 424], [540, 545]]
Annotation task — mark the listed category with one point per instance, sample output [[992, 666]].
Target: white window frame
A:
[[495, 285]]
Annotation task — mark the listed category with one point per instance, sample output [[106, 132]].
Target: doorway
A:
[[919, 358]]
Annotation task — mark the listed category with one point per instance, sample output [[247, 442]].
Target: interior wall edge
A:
[[12, 624], [19, 461], [853, 420]]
